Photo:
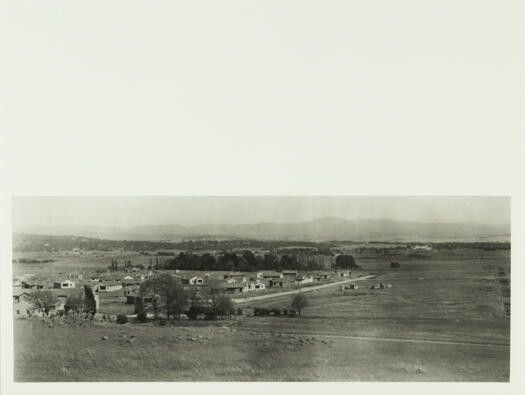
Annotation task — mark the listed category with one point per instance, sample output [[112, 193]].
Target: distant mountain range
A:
[[327, 228]]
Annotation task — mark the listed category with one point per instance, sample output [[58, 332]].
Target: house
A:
[[130, 283], [22, 306], [94, 279], [193, 281], [322, 276], [66, 284], [18, 286], [290, 273], [233, 275], [259, 275], [422, 247], [352, 286], [258, 286], [280, 282], [343, 273], [234, 288], [128, 278], [272, 275], [108, 286], [304, 280]]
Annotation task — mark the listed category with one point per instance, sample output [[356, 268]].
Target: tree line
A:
[[247, 262]]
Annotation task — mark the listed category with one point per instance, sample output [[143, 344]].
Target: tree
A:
[[167, 293], [345, 262], [90, 304], [44, 300], [299, 302], [221, 307], [74, 303], [196, 306]]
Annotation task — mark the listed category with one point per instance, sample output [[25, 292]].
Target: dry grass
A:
[[449, 298]]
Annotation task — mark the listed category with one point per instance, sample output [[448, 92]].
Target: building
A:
[[343, 273], [108, 286], [281, 282], [422, 247], [66, 284], [22, 306], [259, 286], [291, 273], [272, 275], [304, 280], [193, 281], [234, 288], [323, 276], [233, 275]]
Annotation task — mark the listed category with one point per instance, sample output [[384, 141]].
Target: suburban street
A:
[[305, 289]]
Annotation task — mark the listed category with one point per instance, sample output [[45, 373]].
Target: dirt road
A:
[[295, 291]]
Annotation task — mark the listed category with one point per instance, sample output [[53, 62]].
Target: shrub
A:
[[194, 311], [239, 311], [122, 319], [142, 317], [162, 322], [276, 311]]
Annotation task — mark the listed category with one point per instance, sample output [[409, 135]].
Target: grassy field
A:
[[444, 319]]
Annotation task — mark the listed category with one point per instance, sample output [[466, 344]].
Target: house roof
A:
[[20, 293], [271, 274], [110, 283]]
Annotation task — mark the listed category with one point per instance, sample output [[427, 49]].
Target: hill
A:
[[327, 228]]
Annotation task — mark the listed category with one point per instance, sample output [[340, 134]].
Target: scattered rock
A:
[[64, 371], [105, 338]]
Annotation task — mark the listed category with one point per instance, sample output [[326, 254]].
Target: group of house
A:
[[23, 306], [239, 283]]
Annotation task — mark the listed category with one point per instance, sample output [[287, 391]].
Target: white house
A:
[[66, 284], [304, 280], [272, 275], [423, 247], [194, 281], [108, 286]]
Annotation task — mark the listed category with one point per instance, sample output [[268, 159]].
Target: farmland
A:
[[445, 318]]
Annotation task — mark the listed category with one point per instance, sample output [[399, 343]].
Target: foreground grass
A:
[[151, 353]]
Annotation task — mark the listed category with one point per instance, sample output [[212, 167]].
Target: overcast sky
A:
[[130, 211]]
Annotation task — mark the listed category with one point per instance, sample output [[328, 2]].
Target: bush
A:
[[142, 317], [239, 311], [276, 311], [162, 322], [122, 319], [194, 311]]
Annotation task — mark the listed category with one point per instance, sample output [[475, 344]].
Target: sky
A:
[[131, 211]]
